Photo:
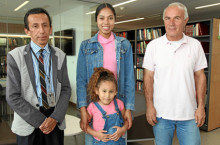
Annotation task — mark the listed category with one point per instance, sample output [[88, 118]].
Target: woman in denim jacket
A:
[[107, 50]]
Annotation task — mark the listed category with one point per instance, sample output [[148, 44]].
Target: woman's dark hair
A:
[[35, 11], [102, 6]]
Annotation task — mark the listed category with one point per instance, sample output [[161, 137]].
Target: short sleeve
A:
[[201, 61], [148, 62], [120, 104]]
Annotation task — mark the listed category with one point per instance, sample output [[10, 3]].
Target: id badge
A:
[[51, 99]]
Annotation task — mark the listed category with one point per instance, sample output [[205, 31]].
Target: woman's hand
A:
[[128, 117], [85, 119]]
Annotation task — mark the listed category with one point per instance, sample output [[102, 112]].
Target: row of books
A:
[[139, 86], [140, 61], [122, 34], [141, 47], [140, 74], [197, 29], [148, 33]]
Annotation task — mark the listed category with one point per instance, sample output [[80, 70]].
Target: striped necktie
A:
[[42, 80]]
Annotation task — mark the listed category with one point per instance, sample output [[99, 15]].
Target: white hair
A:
[[179, 5]]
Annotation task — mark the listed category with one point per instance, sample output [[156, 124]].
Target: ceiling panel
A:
[[140, 8]]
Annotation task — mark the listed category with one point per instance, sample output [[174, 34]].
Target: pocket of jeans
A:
[[158, 118]]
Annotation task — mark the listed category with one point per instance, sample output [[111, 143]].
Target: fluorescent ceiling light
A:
[[123, 3], [90, 13], [153, 16], [14, 35], [205, 6], [129, 20], [24, 3], [65, 37], [116, 5]]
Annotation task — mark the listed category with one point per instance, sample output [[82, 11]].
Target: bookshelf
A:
[[144, 36], [207, 32]]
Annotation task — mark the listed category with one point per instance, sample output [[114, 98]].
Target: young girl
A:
[[106, 111]]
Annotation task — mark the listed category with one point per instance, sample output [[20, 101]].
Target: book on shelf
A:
[[140, 74], [141, 47], [201, 29], [139, 86], [148, 33], [140, 61], [189, 29], [197, 29], [122, 34]]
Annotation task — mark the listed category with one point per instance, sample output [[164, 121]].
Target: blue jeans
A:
[[88, 139], [187, 132]]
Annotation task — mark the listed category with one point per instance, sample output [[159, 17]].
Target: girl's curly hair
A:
[[100, 74]]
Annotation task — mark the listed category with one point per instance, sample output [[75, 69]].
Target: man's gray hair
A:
[[180, 5]]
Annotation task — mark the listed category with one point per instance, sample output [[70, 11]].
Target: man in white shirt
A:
[[175, 82]]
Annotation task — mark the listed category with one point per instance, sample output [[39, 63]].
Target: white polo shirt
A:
[[174, 93]]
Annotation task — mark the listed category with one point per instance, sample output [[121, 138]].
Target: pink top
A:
[[98, 121], [109, 53]]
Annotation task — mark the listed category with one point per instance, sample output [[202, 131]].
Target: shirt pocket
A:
[[91, 56], [123, 50]]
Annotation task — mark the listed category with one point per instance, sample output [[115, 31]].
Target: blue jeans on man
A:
[[187, 132]]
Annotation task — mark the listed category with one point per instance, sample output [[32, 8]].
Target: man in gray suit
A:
[[38, 88]]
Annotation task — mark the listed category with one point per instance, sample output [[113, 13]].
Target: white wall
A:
[[78, 20]]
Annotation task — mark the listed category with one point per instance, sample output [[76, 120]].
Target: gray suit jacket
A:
[[21, 91]]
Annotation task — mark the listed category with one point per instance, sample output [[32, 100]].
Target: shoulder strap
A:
[[116, 105], [100, 108]]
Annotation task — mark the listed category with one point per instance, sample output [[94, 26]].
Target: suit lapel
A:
[[54, 68], [30, 67]]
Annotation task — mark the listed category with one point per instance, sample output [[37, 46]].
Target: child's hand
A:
[[103, 137], [119, 132]]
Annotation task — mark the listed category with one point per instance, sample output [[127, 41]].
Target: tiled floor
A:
[[207, 138]]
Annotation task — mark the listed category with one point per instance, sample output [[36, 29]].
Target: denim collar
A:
[[95, 38]]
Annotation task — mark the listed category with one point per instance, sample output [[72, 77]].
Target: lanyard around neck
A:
[[40, 62]]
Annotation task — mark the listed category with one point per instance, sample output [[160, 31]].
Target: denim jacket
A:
[[91, 56]]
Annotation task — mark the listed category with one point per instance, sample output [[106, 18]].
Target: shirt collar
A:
[[36, 48], [166, 41], [104, 40]]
